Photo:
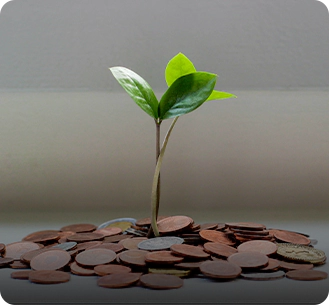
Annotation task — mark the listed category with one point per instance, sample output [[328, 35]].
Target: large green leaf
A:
[[178, 66], [219, 95], [139, 90], [186, 94]]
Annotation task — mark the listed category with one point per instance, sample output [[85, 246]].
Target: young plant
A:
[[187, 90]]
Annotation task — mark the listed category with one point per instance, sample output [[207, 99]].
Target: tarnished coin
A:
[[2, 248], [66, 246], [20, 275], [170, 271], [131, 243], [94, 257], [109, 231], [111, 246], [189, 251], [301, 253], [174, 223], [78, 270], [119, 280], [84, 237], [307, 275], [50, 260], [110, 269], [17, 249], [216, 236], [261, 246], [291, 237], [122, 223], [5, 261], [161, 281], [133, 257], [159, 243], [79, 228], [220, 269], [42, 236], [292, 266], [49, 277], [162, 257], [249, 259], [219, 249], [263, 276]]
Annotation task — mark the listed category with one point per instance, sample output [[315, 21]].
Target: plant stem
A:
[[154, 193], [158, 124]]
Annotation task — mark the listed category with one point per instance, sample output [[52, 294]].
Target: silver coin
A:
[[160, 243], [263, 276], [66, 246], [107, 223]]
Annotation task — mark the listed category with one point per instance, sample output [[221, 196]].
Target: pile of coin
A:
[[119, 253]]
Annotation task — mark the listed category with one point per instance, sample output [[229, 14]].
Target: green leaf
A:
[[178, 66], [139, 90], [219, 95], [186, 94]]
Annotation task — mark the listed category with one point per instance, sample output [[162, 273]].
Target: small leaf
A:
[[186, 94], [139, 90], [178, 66], [218, 95]]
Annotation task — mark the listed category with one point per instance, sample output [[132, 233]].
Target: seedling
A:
[[187, 90]]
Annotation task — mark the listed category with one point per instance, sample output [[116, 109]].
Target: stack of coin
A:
[[120, 254]]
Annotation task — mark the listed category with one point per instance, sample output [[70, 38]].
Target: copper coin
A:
[[161, 281], [27, 257], [49, 277], [20, 275], [109, 231], [42, 236], [174, 223], [19, 265], [111, 246], [246, 226], [66, 246], [50, 260], [273, 264], [160, 243], [247, 237], [133, 257], [307, 275], [209, 226], [250, 232], [189, 265], [17, 249], [78, 270], [5, 261], [80, 228], [110, 268], [116, 238], [249, 259], [220, 269], [131, 243], [189, 251], [162, 257], [147, 221], [94, 257], [219, 249], [2, 247], [84, 237], [216, 236], [118, 280], [292, 266], [263, 276], [291, 237], [261, 246], [88, 244]]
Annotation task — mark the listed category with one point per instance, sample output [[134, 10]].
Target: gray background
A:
[[72, 140]]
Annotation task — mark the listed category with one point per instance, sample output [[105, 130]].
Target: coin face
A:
[[133, 257], [291, 237], [131, 243], [261, 246], [220, 269], [219, 249], [216, 236], [50, 260], [109, 231], [301, 253], [174, 223], [161, 281], [307, 275], [189, 251], [42, 236], [162, 257], [118, 280], [147, 221], [249, 259], [17, 249], [159, 243], [49, 277], [94, 257], [263, 276]]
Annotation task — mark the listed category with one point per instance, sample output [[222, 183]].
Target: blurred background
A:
[[72, 141]]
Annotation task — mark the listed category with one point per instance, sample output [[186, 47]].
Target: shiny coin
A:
[[162, 257], [219, 249], [5, 261], [249, 259], [84, 237], [132, 243], [78, 270], [189, 251], [263, 276], [301, 253], [173, 224], [48, 277], [292, 266], [17, 249], [246, 226], [307, 275], [216, 236], [94, 257], [79, 228], [161, 281], [50, 260], [110, 269], [118, 280], [291, 237], [109, 231], [20, 275], [42, 236], [261, 246], [133, 257], [159, 243], [122, 223], [65, 246], [111, 246], [220, 269], [170, 271]]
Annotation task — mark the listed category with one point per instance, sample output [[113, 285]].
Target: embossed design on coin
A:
[[160, 243]]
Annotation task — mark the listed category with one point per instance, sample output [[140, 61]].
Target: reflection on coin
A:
[[307, 275], [20, 275], [50, 260], [160, 243], [161, 281], [263, 276], [118, 280], [79, 228], [17, 249], [174, 223], [261, 246], [162, 257], [78, 270], [94, 257], [249, 259], [220, 269], [122, 223], [49, 277], [110, 268], [301, 253]]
